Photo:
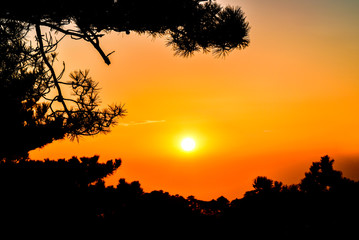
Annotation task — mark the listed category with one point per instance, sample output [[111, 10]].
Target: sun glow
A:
[[188, 144]]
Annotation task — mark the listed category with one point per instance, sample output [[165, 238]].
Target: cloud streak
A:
[[141, 123]]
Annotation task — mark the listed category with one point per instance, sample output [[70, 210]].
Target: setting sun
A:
[[188, 144]]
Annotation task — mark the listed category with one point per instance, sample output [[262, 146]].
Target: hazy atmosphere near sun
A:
[[268, 110]]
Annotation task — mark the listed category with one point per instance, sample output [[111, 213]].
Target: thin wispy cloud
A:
[[141, 123]]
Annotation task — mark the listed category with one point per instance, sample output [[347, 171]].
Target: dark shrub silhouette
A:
[[323, 178], [71, 195], [51, 195], [322, 205]]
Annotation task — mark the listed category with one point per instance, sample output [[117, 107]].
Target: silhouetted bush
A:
[[71, 194]]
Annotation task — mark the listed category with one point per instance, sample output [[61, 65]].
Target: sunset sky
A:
[[269, 110]]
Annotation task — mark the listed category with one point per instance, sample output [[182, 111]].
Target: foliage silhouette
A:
[[71, 193], [191, 25], [322, 177], [322, 205], [30, 97], [51, 194]]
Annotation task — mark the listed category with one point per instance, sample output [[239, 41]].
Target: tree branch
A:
[[96, 44], [93, 38], [60, 97], [66, 32]]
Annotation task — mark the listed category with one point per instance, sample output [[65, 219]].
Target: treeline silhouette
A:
[[70, 195]]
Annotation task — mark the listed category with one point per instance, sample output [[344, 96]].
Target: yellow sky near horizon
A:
[[268, 110]]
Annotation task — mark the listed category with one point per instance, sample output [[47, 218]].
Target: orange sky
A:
[[269, 110]]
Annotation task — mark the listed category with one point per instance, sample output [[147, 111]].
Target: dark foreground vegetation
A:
[[70, 195], [69, 198]]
